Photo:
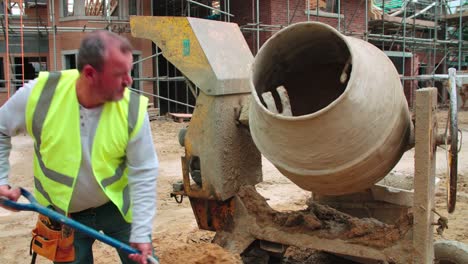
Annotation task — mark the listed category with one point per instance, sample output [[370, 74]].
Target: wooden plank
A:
[[113, 6], [88, 6], [99, 9], [322, 4], [456, 17], [417, 22], [424, 178], [179, 117]]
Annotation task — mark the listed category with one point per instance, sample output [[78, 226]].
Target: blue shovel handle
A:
[[35, 206]]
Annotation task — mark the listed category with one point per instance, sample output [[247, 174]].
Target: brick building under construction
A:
[[423, 38]]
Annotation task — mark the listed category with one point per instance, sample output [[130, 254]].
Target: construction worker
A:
[[94, 158]]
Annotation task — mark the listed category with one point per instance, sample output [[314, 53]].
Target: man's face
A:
[[114, 76]]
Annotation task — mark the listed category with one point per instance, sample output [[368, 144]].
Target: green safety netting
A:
[[452, 7], [388, 5]]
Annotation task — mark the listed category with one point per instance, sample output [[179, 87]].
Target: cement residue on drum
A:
[[399, 180]]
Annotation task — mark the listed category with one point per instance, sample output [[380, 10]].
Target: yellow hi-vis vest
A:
[[53, 121]]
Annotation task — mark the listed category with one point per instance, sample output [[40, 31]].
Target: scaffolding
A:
[[423, 38], [430, 30], [26, 33]]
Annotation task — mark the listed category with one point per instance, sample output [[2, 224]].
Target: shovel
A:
[[35, 206]]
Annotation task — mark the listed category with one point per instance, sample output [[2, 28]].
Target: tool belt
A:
[[52, 240]]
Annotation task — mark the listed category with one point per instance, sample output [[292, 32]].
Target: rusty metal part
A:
[[178, 200], [212, 54], [213, 215], [178, 192], [178, 196], [341, 137], [442, 223]]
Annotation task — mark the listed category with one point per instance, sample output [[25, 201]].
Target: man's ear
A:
[[89, 72]]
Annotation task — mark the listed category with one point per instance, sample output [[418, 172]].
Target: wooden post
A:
[[424, 178]]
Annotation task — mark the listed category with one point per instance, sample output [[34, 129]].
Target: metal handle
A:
[[35, 206], [453, 155], [20, 206]]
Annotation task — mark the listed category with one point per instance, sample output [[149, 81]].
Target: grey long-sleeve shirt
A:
[[142, 163]]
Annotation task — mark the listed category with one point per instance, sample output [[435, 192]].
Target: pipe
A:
[[400, 39], [54, 35], [460, 36], [229, 10], [404, 46], [403, 6], [258, 26], [423, 11], [58, 29], [339, 15], [209, 7], [366, 24], [149, 57], [7, 49], [162, 97], [434, 49]]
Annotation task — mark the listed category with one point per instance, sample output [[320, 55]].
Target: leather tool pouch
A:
[[52, 240]]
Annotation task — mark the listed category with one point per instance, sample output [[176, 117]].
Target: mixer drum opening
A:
[[308, 65]]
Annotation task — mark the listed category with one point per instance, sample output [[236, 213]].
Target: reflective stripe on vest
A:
[[38, 121], [135, 116], [133, 112]]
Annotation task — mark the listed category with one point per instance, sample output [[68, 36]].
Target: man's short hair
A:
[[94, 46]]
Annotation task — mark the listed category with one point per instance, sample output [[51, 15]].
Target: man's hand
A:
[[10, 193], [146, 251]]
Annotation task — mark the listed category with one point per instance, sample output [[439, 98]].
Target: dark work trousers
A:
[[105, 218]]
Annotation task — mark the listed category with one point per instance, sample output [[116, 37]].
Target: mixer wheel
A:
[[453, 147], [450, 252], [255, 254]]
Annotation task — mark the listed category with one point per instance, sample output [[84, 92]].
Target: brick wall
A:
[[34, 12], [32, 16], [275, 12], [68, 41], [413, 68], [3, 97], [352, 20], [246, 13]]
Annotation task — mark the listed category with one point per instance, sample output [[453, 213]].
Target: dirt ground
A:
[[176, 237]]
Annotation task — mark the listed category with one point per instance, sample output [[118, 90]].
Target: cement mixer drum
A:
[[328, 110]]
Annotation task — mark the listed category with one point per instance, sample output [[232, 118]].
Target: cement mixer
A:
[[343, 109], [328, 111]]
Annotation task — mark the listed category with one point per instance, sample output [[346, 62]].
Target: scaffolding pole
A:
[[54, 38], [460, 34]]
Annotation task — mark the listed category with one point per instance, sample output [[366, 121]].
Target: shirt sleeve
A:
[[12, 122], [143, 166]]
